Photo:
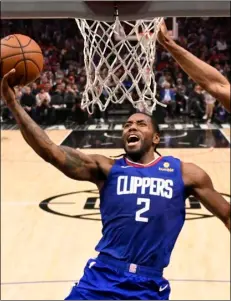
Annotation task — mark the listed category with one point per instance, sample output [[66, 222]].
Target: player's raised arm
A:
[[200, 185], [71, 162], [202, 73]]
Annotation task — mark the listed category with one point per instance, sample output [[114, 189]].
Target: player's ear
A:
[[156, 138]]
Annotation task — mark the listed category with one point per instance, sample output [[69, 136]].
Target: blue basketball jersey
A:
[[143, 211]]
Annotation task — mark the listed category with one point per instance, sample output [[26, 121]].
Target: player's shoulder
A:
[[170, 159], [193, 174], [191, 167], [169, 164]]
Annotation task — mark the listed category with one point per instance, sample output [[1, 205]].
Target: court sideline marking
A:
[[73, 281], [227, 137]]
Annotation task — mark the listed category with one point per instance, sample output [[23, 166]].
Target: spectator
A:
[[196, 102], [34, 89], [57, 106], [28, 102], [43, 111], [209, 106], [167, 96], [42, 98], [80, 116], [166, 78], [71, 96], [221, 44], [179, 86], [181, 97]]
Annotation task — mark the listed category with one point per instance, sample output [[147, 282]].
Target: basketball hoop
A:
[[119, 60], [144, 38]]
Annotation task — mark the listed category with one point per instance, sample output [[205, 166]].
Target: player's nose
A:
[[133, 127]]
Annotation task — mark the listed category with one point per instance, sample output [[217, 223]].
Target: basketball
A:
[[24, 55]]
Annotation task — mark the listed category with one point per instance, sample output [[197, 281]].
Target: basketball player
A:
[[142, 203], [202, 73]]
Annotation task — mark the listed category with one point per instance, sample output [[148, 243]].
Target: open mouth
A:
[[133, 140]]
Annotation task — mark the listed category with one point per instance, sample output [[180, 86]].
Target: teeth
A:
[[133, 136], [130, 138]]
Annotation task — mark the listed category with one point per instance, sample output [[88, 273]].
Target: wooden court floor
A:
[[42, 254]]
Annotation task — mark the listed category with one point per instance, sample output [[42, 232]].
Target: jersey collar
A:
[[135, 164]]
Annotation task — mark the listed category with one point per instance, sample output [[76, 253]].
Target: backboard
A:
[[104, 10]]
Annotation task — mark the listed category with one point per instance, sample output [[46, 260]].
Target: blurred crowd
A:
[[56, 96], [209, 40]]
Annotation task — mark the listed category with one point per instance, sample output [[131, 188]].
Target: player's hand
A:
[[163, 34], [7, 91]]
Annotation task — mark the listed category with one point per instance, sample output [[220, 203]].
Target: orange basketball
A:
[[23, 54]]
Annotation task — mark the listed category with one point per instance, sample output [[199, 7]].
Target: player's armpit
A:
[[80, 166], [201, 186]]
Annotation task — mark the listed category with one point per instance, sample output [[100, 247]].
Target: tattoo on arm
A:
[[75, 164], [80, 166], [71, 162], [72, 159]]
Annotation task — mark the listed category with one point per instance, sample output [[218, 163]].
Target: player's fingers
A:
[[8, 76], [163, 27], [7, 79], [5, 82]]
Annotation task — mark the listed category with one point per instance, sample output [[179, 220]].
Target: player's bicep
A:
[[75, 164], [214, 202], [203, 189]]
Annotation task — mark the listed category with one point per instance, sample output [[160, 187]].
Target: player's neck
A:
[[145, 159]]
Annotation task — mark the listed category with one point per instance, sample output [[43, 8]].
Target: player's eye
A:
[[126, 125], [142, 124]]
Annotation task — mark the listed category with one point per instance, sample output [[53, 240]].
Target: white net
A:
[[119, 60]]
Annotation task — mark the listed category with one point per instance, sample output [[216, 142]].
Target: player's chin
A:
[[133, 148]]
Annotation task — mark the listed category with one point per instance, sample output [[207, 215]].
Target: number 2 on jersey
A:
[[146, 207]]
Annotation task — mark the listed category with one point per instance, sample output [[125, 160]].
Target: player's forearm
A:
[[202, 73], [32, 133], [71, 162]]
